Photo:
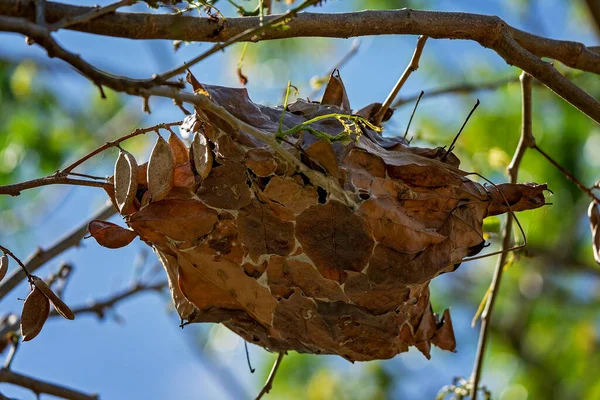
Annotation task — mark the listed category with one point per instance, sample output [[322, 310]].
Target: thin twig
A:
[[269, 384], [451, 147], [567, 174], [23, 267], [526, 141], [61, 177], [412, 114], [412, 67], [252, 370], [38, 386], [14, 339], [99, 307], [90, 15], [41, 256], [115, 142], [247, 34]]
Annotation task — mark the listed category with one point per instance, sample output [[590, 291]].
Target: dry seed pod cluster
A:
[[248, 240], [37, 308]]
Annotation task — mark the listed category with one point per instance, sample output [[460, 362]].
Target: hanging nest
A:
[[323, 244]]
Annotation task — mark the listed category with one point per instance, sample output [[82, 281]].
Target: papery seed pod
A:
[[3, 266], [35, 313], [201, 155], [110, 235], [58, 304], [161, 170], [180, 151], [126, 181]]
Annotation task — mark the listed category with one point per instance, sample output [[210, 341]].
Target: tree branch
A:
[[41, 256], [99, 307], [515, 47], [440, 25], [42, 387], [94, 13], [410, 68], [527, 140], [269, 384]]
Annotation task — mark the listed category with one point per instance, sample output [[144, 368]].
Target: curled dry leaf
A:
[[180, 151], [35, 313], [594, 215], [3, 266], [58, 304], [125, 182], [201, 155], [161, 170], [110, 235]]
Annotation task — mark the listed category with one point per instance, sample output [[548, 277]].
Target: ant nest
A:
[[322, 240]]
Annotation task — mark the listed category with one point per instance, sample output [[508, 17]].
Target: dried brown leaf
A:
[[58, 304], [335, 92], [3, 266], [110, 235], [323, 153], [35, 313], [594, 215], [291, 193], [201, 155], [180, 150], [125, 182], [161, 170], [179, 220], [335, 239]]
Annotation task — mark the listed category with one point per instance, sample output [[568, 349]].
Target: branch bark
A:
[[516, 47], [42, 387], [440, 25]]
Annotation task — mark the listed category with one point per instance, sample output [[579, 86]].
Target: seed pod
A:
[[3, 266], [110, 235], [58, 304], [126, 181], [180, 151], [201, 155], [161, 170], [35, 313]]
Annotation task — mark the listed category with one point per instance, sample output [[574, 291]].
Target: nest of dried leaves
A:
[[261, 244]]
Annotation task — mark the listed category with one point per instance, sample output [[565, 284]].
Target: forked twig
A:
[[525, 142], [247, 34], [62, 176], [269, 383], [412, 66]]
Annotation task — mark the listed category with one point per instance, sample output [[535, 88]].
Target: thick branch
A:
[[42, 387], [41, 256], [449, 25], [516, 47]]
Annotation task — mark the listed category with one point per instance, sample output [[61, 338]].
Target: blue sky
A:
[[148, 356]]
